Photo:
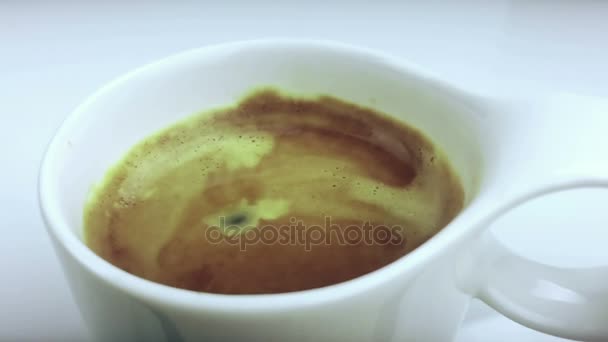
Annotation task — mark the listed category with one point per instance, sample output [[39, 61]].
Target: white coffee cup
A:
[[505, 152]]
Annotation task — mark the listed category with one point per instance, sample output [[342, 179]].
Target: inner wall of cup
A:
[[158, 95]]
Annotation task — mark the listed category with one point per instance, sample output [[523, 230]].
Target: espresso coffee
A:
[[274, 194]]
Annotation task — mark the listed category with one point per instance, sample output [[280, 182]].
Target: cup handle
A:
[[569, 303], [558, 144]]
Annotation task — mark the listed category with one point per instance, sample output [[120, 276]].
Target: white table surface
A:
[[54, 54]]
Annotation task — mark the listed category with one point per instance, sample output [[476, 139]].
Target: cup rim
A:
[[153, 292]]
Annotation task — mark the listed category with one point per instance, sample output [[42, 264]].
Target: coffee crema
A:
[[275, 194]]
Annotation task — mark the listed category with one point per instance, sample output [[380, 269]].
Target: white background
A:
[[54, 54]]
